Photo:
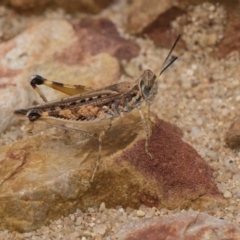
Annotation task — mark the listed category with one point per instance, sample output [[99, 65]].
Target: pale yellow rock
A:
[[17, 59]]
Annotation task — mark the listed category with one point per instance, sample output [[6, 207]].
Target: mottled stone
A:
[[159, 29], [45, 176], [90, 6], [85, 54], [184, 226], [18, 57], [8, 19], [95, 36], [142, 13], [230, 41]]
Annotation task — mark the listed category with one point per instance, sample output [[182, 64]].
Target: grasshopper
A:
[[86, 105]]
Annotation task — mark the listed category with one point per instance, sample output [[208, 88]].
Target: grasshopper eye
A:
[[145, 90], [33, 115]]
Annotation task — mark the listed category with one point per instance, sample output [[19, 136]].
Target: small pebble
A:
[[227, 194], [28, 234], [99, 229], [20, 235], [102, 207], [91, 210], [87, 233], [79, 221], [140, 213], [91, 224], [150, 213]]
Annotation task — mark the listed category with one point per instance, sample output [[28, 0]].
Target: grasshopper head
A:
[[148, 85]]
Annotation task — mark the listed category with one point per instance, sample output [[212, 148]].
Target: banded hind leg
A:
[[69, 89]]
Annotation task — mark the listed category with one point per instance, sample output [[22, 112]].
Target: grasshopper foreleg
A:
[[147, 130]]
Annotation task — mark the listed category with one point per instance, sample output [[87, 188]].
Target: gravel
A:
[[200, 94]]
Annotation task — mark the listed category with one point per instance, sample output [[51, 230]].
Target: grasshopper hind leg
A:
[[64, 88]]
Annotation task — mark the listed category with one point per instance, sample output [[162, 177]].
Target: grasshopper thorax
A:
[[148, 85]]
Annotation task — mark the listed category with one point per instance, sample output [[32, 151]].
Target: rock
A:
[[9, 24], [95, 36], [47, 176], [227, 194], [21, 54], [159, 29], [187, 225], [59, 51], [231, 36], [232, 136], [185, 4], [90, 6], [140, 213], [142, 13]]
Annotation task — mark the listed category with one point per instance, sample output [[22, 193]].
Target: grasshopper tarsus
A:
[[36, 80], [97, 162]]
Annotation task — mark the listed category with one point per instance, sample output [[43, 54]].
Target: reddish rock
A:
[[94, 37], [184, 226], [181, 175]]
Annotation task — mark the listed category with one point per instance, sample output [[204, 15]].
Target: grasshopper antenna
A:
[[169, 60]]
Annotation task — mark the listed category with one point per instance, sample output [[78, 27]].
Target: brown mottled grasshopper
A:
[[86, 105]]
